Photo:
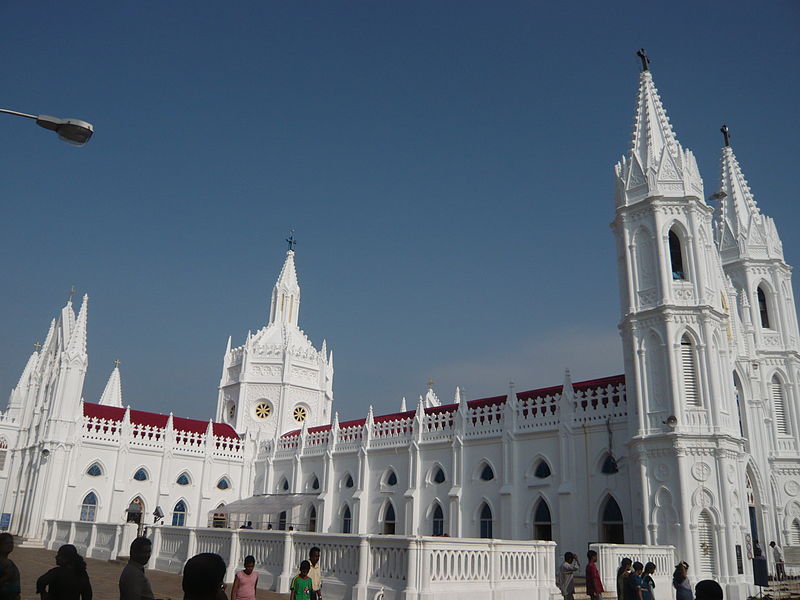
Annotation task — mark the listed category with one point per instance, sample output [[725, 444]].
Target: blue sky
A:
[[447, 167]]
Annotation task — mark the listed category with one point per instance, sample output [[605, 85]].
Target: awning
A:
[[265, 504]]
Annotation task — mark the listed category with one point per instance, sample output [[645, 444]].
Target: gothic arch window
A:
[[390, 478], [141, 475], [739, 394], [794, 533], [763, 308], [779, 405], [220, 519], [486, 473], [676, 255], [486, 521], [389, 520], [135, 510], [183, 479], [3, 452], [705, 540], [691, 389], [347, 520], [179, 514], [437, 475], [95, 470], [609, 466], [283, 485], [282, 521], [612, 528], [89, 508], [437, 520], [542, 522], [223, 484], [348, 481], [312, 519], [542, 471]]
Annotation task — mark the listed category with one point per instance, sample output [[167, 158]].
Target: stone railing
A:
[[353, 566], [609, 557]]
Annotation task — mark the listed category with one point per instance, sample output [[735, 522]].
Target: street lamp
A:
[[72, 131]]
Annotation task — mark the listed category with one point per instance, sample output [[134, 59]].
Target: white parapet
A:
[[353, 566]]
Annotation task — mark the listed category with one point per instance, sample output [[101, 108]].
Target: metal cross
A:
[[37, 345], [726, 134], [430, 383], [117, 363], [70, 293], [291, 241], [644, 58]]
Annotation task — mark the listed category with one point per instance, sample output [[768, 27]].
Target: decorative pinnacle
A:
[[290, 240], [70, 293], [727, 135], [644, 58]]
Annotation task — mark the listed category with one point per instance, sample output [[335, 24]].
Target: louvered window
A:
[[794, 533], [779, 406], [705, 538], [689, 365]]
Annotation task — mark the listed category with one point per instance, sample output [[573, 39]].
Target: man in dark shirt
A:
[[633, 583], [133, 583]]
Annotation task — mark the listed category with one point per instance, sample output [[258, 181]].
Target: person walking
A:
[[594, 586], [315, 573], [9, 573], [69, 580], [203, 577], [648, 585], [300, 587], [133, 583], [680, 581], [777, 554], [622, 575], [245, 582], [566, 575], [633, 582]]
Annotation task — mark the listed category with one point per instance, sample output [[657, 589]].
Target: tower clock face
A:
[[263, 410], [300, 413]]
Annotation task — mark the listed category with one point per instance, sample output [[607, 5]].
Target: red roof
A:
[[580, 386], [141, 417]]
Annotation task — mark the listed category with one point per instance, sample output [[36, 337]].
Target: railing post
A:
[[412, 582], [288, 569], [92, 540], [156, 543], [425, 559], [116, 542], [191, 547], [361, 589], [71, 536], [233, 557]]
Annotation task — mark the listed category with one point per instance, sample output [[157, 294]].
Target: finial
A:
[[727, 135], [70, 293], [37, 345], [117, 363], [290, 240], [430, 383], [644, 58]]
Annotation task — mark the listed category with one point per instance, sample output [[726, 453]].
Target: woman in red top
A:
[[244, 586], [594, 587]]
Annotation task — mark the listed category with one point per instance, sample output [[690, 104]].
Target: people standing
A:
[[622, 575], [133, 583], [633, 582], [300, 587], [203, 577], [566, 575], [648, 585], [680, 581], [69, 580], [9, 573], [594, 586], [244, 585], [315, 573], [777, 554]]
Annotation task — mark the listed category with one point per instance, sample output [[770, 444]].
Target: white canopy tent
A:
[[258, 509]]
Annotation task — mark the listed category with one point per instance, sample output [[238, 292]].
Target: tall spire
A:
[[741, 230], [286, 293], [657, 164], [77, 336], [112, 395]]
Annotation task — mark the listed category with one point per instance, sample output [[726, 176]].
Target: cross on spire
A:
[[726, 134], [70, 293], [37, 345], [117, 363], [430, 383], [644, 58], [290, 240]]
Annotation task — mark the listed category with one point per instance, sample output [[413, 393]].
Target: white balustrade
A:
[[609, 557]]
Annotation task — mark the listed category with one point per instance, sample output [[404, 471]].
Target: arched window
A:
[[312, 519], [438, 475], [705, 539], [315, 484], [612, 529], [689, 367], [3, 451], [89, 508], [486, 521], [737, 390], [542, 523], [389, 520], [220, 519], [347, 520], [223, 484], [763, 309], [609, 466], [391, 479], [140, 475], [542, 472], [676, 256], [348, 482], [779, 406], [283, 485], [179, 514], [437, 522], [94, 470], [487, 474], [794, 533], [282, 520], [183, 479], [135, 510]]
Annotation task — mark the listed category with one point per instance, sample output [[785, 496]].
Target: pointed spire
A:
[[457, 397], [286, 294], [652, 131], [228, 347], [403, 407], [112, 395], [431, 399], [77, 339]]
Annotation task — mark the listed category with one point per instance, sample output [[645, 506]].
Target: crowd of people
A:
[[634, 581]]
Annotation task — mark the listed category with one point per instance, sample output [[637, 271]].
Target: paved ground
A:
[[33, 562]]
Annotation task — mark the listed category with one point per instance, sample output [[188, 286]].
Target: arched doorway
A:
[[752, 509], [389, 520], [135, 511], [612, 527]]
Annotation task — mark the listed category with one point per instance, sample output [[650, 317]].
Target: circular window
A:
[[263, 410], [300, 413]]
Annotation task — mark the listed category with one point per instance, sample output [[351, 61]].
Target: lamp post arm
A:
[[19, 114]]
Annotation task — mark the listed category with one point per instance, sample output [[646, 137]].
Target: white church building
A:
[[696, 445]]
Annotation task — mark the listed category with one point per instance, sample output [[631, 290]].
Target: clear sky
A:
[[447, 167]]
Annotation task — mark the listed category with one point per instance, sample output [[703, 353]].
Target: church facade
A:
[[695, 445]]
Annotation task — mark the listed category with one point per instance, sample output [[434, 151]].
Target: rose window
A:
[[300, 414], [263, 410]]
